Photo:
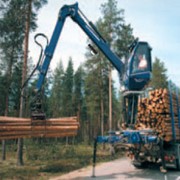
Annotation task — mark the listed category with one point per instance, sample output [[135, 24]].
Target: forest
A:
[[88, 92]]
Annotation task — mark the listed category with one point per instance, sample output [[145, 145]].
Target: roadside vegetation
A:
[[50, 158]]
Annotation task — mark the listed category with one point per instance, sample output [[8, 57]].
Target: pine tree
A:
[[78, 99], [159, 75], [17, 19], [68, 89], [11, 39], [95, 90], [113, 28], [78, 94], [31, 7], [11, 30], [56, 99]]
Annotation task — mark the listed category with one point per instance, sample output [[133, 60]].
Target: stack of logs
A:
[[154, 113], [13, 128]]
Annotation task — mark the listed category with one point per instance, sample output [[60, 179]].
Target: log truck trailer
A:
[[144, 145]]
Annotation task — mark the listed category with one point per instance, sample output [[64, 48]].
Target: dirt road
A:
[[120, 169]]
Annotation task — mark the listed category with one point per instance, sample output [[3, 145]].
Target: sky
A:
[[154, 21]]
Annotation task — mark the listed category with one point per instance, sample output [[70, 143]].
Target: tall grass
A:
[[49, 158]]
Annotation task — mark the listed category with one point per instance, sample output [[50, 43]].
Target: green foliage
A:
[[118, 35], [49, 158], [11, 39], [68, 89], [67, 92], [159, 75], [12, 32], [56, 98], [78, 95], [125, 38], [15, 90], [42, 152], [2, 94]]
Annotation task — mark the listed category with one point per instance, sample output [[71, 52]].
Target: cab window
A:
[[141, 59]]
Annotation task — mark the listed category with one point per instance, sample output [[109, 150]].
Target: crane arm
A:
[[74, 12], [134, 77]]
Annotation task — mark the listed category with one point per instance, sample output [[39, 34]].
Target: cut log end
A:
[[155, 113]]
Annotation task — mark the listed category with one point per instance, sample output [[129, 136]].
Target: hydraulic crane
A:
[[135, 73], [133, 79]]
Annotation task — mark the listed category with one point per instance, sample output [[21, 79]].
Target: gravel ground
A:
[[121, 169]]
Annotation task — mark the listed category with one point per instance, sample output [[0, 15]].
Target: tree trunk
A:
[[110, 107], [102, 117], [110, 99], [20, 152], [24, 72], [3, 150], [4, 141], [101, 102], [9, 75]]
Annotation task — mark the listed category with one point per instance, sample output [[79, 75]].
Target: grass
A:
[[44, 160]]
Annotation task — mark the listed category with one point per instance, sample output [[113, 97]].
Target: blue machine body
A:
[[130, 137]]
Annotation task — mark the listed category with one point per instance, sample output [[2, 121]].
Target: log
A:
[[16, 119], [36, 128], [36, 132], [154, 112], [13, 127], [53, 135]]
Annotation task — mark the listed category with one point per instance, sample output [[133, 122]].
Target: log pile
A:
[[154, 113], [13, 128]]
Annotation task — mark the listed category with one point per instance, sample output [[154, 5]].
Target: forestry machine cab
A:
[[134, 74]]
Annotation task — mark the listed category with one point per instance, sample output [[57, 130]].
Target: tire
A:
[[139, 165]]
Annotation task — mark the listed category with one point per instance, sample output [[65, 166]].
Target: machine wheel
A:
[[178, 165], [140, 165]]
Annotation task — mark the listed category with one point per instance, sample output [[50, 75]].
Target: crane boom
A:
[[73, 12], [135, 73]]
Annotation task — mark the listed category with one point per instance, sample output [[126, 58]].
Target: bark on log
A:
[[13, 128]]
